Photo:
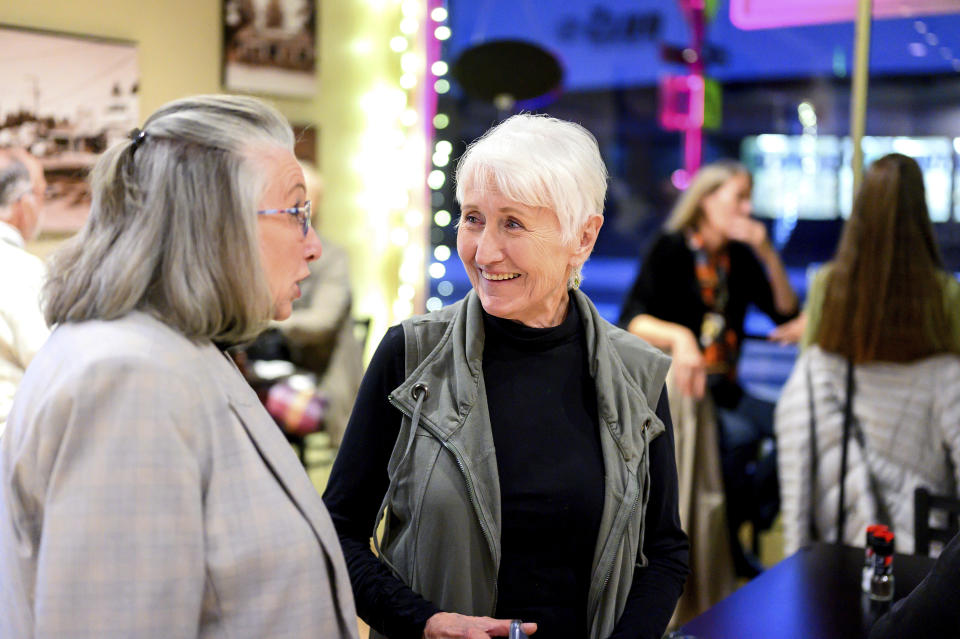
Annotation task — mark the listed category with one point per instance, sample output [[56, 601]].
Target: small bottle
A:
[[881, 583], [868, 552]]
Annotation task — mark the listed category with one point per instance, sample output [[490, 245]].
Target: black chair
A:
[[924, 533]]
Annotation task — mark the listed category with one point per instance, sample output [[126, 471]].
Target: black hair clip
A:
[[137, 136]]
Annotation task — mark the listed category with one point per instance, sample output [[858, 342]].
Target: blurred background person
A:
[[22, 327], [884, 312], [320, 330], [484, 428], [319, 336], [690, 299], [146, 493]]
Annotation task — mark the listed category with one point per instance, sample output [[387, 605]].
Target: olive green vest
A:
[[442, 524]]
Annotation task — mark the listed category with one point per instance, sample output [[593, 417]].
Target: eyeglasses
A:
[[302, 214]]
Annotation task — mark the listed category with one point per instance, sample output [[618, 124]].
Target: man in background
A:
[[22, 327]]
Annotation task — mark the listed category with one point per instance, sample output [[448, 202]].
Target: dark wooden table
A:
[[813, 594]]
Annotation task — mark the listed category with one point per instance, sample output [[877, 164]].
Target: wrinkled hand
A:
[[451, 625], [689, 368], [749, 231], [789, 332]]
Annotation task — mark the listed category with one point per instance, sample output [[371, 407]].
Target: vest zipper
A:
[[458, 458], [596, 602], [594, 607]]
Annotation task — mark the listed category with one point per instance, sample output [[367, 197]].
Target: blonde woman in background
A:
[[690, 298]]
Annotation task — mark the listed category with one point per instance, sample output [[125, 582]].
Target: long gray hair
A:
[[172, 228]]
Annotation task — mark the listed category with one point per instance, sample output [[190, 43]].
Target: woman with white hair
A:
[[516, 446], [145, 491]]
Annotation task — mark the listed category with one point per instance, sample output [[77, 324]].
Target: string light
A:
[[440, 158], [442, 252], [436, 179], [391, 160]]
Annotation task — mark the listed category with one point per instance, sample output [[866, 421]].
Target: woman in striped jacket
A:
[[885, 309]]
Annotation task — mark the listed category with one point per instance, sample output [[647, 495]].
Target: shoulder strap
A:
[[847, 419], [814, 460], [412, 356]]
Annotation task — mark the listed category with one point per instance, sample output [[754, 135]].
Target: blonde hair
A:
[[172, 227], [687, 212]]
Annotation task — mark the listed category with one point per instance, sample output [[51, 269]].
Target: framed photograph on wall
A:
[[66, 98], [269, 46]]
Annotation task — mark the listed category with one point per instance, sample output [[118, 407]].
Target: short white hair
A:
[[172, 228], [539, 161]]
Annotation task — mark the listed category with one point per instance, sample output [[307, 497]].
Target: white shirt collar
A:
[[10, 235]]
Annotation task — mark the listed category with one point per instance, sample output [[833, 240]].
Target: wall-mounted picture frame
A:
[[270, 47], [65, 99]]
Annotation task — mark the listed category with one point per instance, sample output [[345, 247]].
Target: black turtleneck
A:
[[543, 413], [542, 404]]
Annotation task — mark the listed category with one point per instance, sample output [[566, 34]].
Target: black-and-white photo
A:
[[269, 46], [66, 99]]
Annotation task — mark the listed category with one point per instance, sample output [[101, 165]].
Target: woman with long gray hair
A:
[[145, 491]]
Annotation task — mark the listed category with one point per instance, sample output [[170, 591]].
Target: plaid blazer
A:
[[146, 493]]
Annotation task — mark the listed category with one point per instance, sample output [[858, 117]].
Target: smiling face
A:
[[284, 251], [729, 201], [515, 257]]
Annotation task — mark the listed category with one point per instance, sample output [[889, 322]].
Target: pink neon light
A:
[[681, 102], [680, 179], [768, 14], [692, 149], [429, 94]]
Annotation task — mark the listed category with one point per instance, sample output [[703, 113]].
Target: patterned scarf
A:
[[717, 340]]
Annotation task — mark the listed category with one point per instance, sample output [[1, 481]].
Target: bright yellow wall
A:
[[179, 54]]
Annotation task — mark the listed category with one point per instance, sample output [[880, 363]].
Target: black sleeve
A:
[[758, 285], [356, 488], [656, 588], [646, 290], [928, 611]]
